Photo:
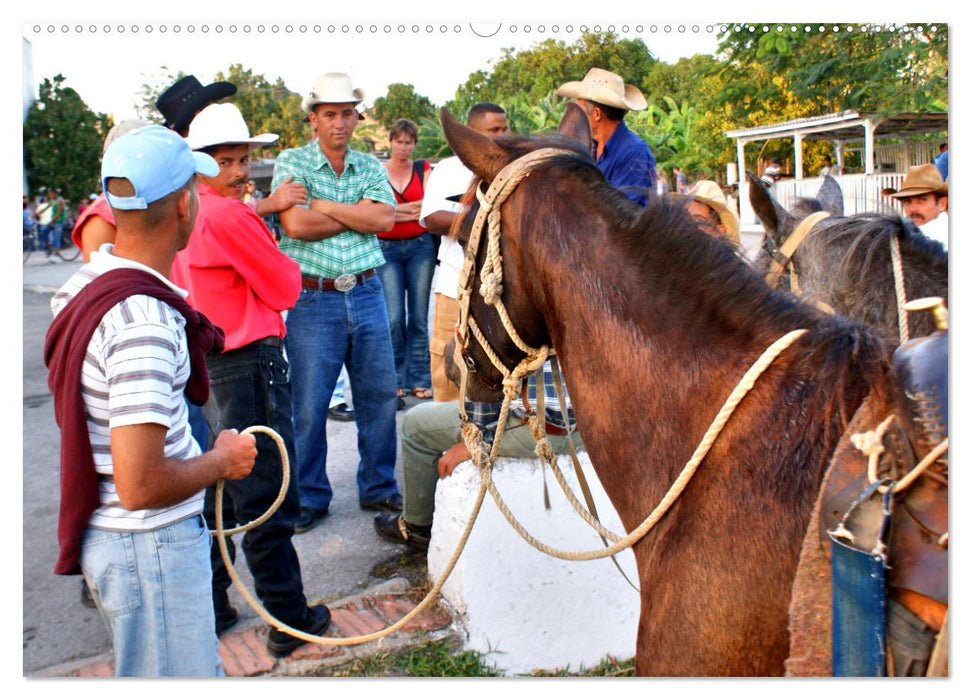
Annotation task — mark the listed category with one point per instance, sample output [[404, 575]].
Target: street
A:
[[337, 557]]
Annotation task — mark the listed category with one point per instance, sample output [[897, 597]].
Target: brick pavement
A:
[[244, 652]]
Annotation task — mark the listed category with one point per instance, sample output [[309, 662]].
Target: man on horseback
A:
[[923, 195], [622, 156]]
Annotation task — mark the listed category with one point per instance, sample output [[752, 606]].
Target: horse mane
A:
[[864, 240]]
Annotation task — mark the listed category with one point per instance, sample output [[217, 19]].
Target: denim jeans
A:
[[152, 589], [251, 386], [324, 331], [407, 281], [429, 429]]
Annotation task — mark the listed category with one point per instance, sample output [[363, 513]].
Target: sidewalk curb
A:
[[244, 653]]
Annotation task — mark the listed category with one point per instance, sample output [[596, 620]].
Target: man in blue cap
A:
[[123, 349]]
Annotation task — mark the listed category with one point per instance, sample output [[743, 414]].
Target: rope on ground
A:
[[221, 534]]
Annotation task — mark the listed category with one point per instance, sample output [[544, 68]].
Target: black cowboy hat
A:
[[186, 97]]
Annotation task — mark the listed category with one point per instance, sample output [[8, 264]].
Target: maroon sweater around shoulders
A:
[[64, 350]]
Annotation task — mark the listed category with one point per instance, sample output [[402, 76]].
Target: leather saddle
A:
[[917, 553]]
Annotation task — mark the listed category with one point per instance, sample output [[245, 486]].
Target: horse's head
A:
[[498, 337]]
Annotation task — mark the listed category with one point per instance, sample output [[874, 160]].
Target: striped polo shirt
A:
[[135, 372], [363, 178]]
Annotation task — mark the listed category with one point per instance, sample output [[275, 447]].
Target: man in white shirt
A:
[[448, 180], [923, 195]]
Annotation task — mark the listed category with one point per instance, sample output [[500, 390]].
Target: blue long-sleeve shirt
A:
[[628, 164]]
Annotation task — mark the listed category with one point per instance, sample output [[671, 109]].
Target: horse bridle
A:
[[490, 203], [782, 256]]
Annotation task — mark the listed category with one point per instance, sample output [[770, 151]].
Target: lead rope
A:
[[221, 534], [901, 293], [473, 437]]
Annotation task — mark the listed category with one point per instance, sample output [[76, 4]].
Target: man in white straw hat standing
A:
[[923, 195], [341, 317], [622, 156], [236, 275]]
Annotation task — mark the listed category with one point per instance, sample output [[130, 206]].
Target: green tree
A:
[[268, 107], [537, 72], [154, 85], [858, 67], [63, 139], [402, 102]]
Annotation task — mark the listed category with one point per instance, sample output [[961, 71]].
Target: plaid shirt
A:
[[363, 178], [486, 415]]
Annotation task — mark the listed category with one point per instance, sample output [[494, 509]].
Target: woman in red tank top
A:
[[409, 254]]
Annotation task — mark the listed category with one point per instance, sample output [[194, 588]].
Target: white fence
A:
[[861, 193]]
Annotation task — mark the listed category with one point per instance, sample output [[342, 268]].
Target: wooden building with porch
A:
[[887, 148]]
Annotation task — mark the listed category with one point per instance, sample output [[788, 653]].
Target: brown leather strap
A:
[[327, 284], [784, 255]]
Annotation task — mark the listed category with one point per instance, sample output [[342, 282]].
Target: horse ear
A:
[[478, 152], [831, 196], [775, 219], [575, 125]]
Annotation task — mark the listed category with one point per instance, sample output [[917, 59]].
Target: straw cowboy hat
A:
[[710, 193], [331, 88], [223, 124], [183, 100], [606, 88], [920, 179]]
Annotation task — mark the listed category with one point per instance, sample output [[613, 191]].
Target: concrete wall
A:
[[525, 609]]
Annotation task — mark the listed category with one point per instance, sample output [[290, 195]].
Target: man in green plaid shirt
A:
[[340, 317]]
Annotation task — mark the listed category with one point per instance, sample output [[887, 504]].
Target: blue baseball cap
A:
[[156, 161]]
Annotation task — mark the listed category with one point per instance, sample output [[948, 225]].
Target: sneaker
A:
[[394, 529], [308, 519], [316, 620], [225, 618], [391, 504], [341, 412]]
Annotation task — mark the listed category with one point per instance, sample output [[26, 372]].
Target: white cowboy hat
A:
[[607, 88], [331, 88], [223, 123], [709, 193]]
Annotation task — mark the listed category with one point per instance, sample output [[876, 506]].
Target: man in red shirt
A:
[[234, 271]]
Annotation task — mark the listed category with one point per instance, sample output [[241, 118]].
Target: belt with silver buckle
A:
[[343, 283]]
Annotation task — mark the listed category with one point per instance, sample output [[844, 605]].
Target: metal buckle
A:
[[345, 282]]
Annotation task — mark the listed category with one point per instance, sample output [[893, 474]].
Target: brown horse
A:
[[845, 262], [654, 323]]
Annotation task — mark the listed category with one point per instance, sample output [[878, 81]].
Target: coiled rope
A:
[[221, 534]]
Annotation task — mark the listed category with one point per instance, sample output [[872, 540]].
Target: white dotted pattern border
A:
[[425, 29]]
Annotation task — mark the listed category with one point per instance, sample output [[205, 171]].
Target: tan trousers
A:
[[443, 330]]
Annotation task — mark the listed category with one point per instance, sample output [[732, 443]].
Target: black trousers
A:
[[251, 386]]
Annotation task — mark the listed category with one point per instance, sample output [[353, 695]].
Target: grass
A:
[[433, 660], [438, 659]]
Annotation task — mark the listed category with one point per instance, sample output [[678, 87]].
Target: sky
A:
[[108, 68]]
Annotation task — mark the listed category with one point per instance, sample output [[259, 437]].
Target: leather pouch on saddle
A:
[[859, 559]]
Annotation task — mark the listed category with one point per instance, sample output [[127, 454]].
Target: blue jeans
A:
[[324, 331], [153, 591], [251, 386], [407, 281]]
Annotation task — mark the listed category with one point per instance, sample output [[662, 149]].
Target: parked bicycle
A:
[[66, 251]]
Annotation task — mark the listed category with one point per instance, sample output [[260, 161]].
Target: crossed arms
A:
[[326, 218]]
